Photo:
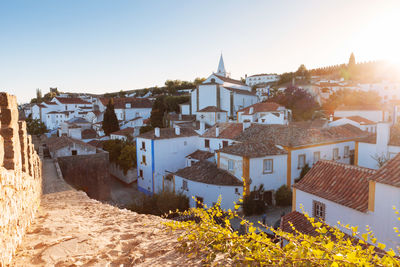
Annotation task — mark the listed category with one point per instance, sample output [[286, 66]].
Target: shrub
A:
[[330, 247], [283, 196], [303, 173], [161, 203]]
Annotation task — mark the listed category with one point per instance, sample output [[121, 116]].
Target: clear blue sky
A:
[[104, 46]]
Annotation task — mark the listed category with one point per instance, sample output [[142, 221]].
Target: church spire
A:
[[221, 67]]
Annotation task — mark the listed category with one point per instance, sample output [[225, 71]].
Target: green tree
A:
[[198, 81], [283, 196], [127, 158], [35, 127], [303, 72], [38, 94], [110, 121]]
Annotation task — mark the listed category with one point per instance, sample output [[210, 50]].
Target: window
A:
[[185, 185], [141, 173], [224, 143], [346, 151], [317, 156], [335, 153], [231, 164], [268, 166], [218, 116], [236, 190], [301, 161], [185, 143], [318, 210], [207, 143], [74, 152], [144, 159], [143, 145]]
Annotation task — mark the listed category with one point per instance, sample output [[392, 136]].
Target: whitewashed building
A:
[[205, 182], [261, 79], [124, 134], [372, 113], [128, 108], [162, 151], [65, 146], [263, 165], [352, 195], [358, 121], [375, 150], [219, 136], [220, 91], [265, 113], [211, 115]]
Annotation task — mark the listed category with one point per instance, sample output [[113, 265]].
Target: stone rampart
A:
[[20, 179], [89, 173]]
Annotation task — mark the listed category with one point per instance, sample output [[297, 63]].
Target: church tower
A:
[[221, 67]]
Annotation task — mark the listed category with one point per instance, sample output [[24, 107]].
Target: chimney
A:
[[246, 124], [251, 110], [202, 127], [157, 132], [245, 76], [180, 117], [216, 131], [331, 117], [177, 131], [382, 138]]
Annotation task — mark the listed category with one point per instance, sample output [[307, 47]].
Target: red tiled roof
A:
[[211, 109], [71, 100], [96, 143], [200, 155], [299, 222], [50, 103], [229, 80], [227, 130], [389, 173], [344, 184], [120, 102], [124, 132], [360, 120], [261, 107], [295, 136], [88, 134], [239, 91], [253, 150]]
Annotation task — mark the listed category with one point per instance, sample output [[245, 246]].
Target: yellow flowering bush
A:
[[211, 236]]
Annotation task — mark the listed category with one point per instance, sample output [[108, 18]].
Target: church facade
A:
[[223, 93]]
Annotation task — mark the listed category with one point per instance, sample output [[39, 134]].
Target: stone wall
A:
[[20, 178], [89, 173], [129, 177]]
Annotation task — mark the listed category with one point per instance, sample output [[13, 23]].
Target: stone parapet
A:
[[20, 179]]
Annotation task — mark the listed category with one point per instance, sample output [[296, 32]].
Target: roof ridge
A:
[[348, 166]]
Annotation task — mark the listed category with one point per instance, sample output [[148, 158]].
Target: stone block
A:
[[8, 101]]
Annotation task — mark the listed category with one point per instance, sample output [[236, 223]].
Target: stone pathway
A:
[[51, 183]]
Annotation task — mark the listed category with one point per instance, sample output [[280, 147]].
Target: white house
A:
[[352, 195], [124, 133], [261, 79], [205, 182], [220, 91], [372, 113], [160, 151], [65, 146], [199, 155], [128, 108], [376, 149], [211, 115], [265, 113], [263, 165], [358, 121], [220, 135], [70, 103], [306, 145]]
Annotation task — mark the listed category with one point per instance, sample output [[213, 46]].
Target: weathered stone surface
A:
[[89, 173], [19, 192]]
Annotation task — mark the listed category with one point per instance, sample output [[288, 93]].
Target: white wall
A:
[[373, 115], [381, 220], [209, 193], [271, 181], [326, 152], [215, 143], [367, 152], [67, 151], [169, 155]]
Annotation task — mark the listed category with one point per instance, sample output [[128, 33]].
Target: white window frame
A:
[[271, 169], [300, 166], [231, 164], [346, 151]]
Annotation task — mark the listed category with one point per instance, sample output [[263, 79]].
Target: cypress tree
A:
[[110, 121]]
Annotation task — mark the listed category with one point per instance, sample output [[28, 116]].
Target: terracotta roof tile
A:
[[55, 143], [253, 150], [200, 155], [227, 130], [389, 173], [299, 221], [71, 100], [293, 136], [394, 137], [261, 107], [208, 173], [229, 80], [125, 132], [341, 183], [211, 109]]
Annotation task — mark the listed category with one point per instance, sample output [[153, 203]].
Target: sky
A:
[[97, 46]]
